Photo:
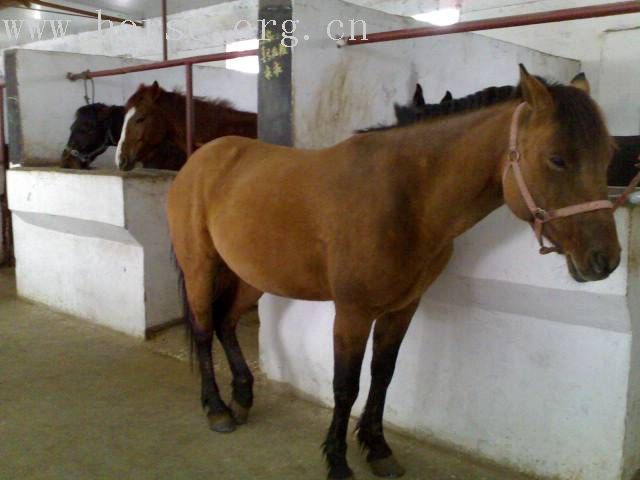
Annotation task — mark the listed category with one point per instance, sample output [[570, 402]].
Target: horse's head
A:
[[145, 126], [564, 150], [96, 127]]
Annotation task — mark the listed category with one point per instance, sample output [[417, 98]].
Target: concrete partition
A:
[[93, 244], [507, 357]]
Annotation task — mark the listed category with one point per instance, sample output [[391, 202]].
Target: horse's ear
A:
[[418, 97], [155, 90], [580, 82], [534, 92], [447, 97]]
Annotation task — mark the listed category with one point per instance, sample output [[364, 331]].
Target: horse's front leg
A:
[[350, 333], [389, 331]]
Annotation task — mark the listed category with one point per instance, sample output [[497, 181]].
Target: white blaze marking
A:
[[127, 117]]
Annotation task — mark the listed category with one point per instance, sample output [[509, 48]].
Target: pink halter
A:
[[540, 215]]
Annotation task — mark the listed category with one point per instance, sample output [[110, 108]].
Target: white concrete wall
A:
[[619, 92], [95, 245], [47, 101], [337, 91]]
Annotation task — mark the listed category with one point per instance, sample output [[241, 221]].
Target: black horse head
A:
[[96, 128]]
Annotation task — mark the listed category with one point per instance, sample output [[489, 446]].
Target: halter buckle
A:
[[514, 155], [541, 215]]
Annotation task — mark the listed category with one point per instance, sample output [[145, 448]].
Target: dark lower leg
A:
[[217, 411], [350, 339], [388, 334], [370, 432], [242, 378]]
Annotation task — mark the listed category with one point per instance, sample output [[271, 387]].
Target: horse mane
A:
[[411, 114], [91, 109], [217, 103], [577, 114]]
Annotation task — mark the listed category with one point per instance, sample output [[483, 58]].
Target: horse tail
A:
[[225, 285], [187, 313]]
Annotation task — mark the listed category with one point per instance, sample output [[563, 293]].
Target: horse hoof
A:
[[340, 474], [239, 413], [387, 468], [221, 422]]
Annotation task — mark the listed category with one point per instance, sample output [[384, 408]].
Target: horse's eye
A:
[[558, 162], [140, 119]]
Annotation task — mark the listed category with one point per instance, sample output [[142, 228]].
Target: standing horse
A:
[[96, 127], [370, 224], [154, 115]]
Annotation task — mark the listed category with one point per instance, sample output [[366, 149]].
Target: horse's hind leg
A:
[[199, 269], [388, 333], [245, 298]]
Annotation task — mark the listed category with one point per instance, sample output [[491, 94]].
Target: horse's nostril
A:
[[600, 262]]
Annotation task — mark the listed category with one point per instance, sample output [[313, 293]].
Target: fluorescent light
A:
[[244, 64], [37, 15], [441, 17]]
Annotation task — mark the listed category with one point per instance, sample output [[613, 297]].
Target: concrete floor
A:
[[79, 401]]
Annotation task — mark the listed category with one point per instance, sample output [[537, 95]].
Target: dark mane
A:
[[90, 110], [177, 95], [411, 114]]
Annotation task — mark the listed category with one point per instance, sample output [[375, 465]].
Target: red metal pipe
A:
[[594, 11], [189, 99], [165, 46], [215, 57]]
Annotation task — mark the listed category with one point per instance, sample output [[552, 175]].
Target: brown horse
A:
[[370, 224], [154, 116]]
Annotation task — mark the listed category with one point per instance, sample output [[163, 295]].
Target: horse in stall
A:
[[369, 224], [98, 127], [623, 167], [154, 115]]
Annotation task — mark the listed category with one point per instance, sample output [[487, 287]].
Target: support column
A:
[[275, 107]]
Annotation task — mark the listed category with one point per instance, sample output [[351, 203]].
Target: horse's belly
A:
[[277, 266]]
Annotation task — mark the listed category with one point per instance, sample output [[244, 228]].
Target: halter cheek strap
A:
[[87, 158], [540, 216]]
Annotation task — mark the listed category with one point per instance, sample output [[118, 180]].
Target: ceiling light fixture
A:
[[442, 16]]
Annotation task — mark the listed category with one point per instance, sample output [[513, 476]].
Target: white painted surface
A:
[[45, 119], [530, 371], [620, 81], [95, 245]]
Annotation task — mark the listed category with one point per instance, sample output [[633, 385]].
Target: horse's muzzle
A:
[[126, 163]]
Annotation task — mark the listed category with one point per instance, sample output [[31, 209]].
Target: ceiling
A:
[[578, 39], [125, 9]]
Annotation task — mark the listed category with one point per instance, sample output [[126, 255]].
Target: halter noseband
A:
[[86, 158], [540, 215]]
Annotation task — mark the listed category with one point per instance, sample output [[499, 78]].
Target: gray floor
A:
[[82, 402]]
